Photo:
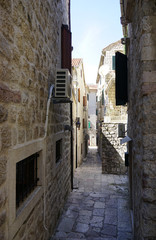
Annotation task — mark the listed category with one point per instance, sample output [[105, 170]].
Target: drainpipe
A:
[[71, 143], [71, 113], [45, 135]]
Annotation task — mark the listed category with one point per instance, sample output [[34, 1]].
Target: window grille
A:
[[26, 177]]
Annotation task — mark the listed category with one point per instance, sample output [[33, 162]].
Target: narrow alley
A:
[[98, 207]]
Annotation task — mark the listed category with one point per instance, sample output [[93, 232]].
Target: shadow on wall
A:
[[112, 162]]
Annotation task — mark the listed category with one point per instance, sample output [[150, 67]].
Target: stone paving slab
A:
[[98, 209]]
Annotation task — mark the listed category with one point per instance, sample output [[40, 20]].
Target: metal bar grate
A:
[[26, 177]]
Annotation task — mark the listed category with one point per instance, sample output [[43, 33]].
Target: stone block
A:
[[149, 195], [148, 53], [5, 137], [3, 165], [7, 95], [148, 88], [149, 228], [2, 197], [4, 47], [149, 211], [3, 114], [2, 217]]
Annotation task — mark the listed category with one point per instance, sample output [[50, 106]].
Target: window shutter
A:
[[83, 123], [88, 124], [113, 62], [84, 101], [66, 48], [121, 91], [78, 94], [87, 97]]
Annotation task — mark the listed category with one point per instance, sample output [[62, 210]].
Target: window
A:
[[26, 177], [121, 130], [19, 160], [113, 62], [87, 97], [58, 150]]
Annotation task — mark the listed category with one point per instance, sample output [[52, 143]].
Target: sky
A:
[[94, 24]]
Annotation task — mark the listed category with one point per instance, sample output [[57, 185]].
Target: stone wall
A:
[[30, 52], [142, 118], [112, 153]]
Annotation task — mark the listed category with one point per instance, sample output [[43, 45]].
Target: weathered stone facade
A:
[[112, 151], [141, 51], [92, 118], [110, 116], [30, 53], [81, 111]]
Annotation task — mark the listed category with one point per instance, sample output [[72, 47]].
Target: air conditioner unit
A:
[[62, 84]]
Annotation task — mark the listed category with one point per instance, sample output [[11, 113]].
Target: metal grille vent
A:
[[62, 84]]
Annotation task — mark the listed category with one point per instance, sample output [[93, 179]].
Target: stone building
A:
[[35, 171], [139, 17], [80, 113], [111, 119], [92, 118]]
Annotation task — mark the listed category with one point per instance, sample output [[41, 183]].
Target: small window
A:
[[26, 177], [121, 130], [58, 150], [113, 62]]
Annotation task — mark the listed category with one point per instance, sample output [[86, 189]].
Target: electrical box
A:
[[63, 84]]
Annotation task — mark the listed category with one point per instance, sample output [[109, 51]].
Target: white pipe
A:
[[48, 105], [45, 135]]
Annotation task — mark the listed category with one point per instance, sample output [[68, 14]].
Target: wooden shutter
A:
[[84, 101], [121, 91], [66, 48], [79, 94]]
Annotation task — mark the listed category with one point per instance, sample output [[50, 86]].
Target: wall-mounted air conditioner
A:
[[62, 84]]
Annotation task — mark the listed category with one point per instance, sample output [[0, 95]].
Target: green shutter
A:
[[88, 124], [113, 62]]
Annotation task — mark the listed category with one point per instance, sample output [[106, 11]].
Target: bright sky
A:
[[94, 24]]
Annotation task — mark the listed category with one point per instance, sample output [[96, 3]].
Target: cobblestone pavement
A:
[[98, 209]]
